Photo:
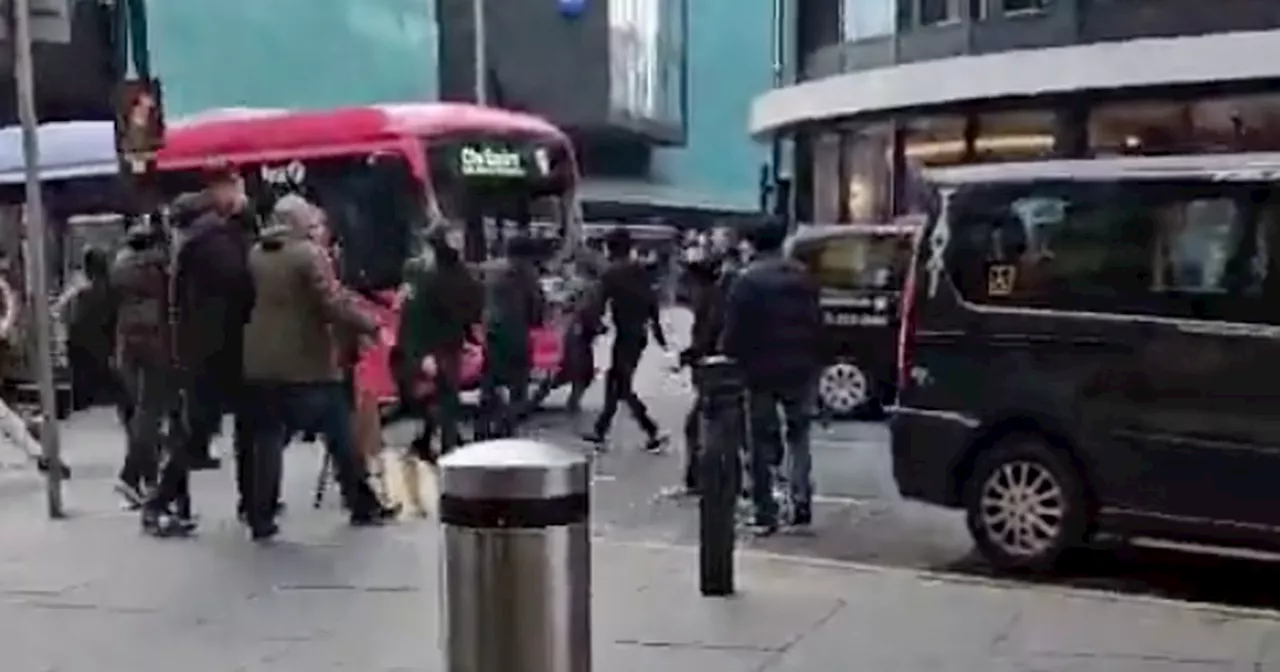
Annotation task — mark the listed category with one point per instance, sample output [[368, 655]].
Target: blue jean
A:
[[780, 418], [282, 409]]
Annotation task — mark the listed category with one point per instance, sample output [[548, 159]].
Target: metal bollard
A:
[[722, 391], [517, 558]]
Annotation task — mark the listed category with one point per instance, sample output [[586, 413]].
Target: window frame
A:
[[954, 14]]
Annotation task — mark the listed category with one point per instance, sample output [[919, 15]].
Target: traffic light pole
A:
[[480, 26], [38, 292]]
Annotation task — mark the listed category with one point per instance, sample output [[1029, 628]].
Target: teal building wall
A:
[[292, 53], [730, 62]]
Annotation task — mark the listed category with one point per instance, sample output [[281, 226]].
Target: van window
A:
[[857, 262], [1193, 248]]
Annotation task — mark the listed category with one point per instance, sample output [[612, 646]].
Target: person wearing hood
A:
[[140, 283], [443, 304], [87, 311], [212, 297], [291, 343], [513, 305]]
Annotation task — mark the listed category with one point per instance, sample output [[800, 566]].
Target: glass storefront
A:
[[854, 170], [1236, 124]]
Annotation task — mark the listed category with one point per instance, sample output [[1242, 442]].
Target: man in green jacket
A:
[[443, 303]]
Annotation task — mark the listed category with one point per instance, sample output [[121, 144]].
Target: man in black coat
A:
[[212, 298], [773, 330]]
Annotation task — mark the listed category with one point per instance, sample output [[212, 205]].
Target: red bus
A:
[[383, 173]]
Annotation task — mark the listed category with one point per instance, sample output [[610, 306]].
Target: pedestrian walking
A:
[[211, 295], [140, 282], [290, 350], [780, 363], [87, 311], [514, 304], [628, 296]]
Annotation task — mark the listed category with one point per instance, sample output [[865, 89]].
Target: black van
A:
[[1094, 346], [861, 268]]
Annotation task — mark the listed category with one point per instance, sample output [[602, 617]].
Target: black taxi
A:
[[861, 268]]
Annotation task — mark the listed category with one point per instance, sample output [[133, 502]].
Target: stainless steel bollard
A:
[[517, 558]]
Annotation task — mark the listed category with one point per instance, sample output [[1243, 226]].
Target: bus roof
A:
[[68, 150], [284, 136]]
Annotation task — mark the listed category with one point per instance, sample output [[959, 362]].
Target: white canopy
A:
[[68, 149]]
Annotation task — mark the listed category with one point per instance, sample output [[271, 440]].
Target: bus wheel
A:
[[843, 389], [1025, 504]]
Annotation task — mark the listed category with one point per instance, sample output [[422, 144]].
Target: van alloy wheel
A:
[[843, 388], [1022, 508]]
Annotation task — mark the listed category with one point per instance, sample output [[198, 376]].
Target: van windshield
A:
[[857, 261]]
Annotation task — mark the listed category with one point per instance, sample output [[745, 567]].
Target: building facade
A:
[[884, 85], [654, 92]]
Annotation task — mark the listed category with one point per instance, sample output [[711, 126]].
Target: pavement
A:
[[879, 584], [90, 593]]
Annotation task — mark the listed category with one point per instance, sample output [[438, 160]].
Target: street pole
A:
[[482, 53], [779, 62], [24, 75]]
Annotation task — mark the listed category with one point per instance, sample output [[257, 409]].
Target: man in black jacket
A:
[[628, 295], [708, 290], [212, 297], [773, 329]]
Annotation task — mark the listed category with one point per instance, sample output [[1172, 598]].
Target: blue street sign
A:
[[572, 8]]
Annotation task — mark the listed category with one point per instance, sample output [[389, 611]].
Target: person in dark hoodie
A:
[[88, 314], [780, 362], [632, 302], [140, 280], [212, 299], [513, 305]]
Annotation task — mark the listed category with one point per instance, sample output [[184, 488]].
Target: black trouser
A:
[[442, 410], [147, 398], [92, 381], [504, 397], [280, 410], [173, 490], [620, 386]]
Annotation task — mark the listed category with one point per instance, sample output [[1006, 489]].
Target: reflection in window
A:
[[858, 262], [984, 138], [1246, 123], [868, 182], [867, 18], [938, 11], [647, 58], [1109, 247], [826, 178], [1019, 6]]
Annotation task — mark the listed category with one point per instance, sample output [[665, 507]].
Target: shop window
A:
[[1023, 6], [826, 178], [861, 19], [868, 174], [1184, 248], [935, 12], [1238, 124], [936, 141]]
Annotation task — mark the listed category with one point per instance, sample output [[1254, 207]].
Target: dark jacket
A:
[[514, 305], [708, 316], [295, 328], [442, 305], [627, 293], [773, 324], [213, 293], [140, 280]]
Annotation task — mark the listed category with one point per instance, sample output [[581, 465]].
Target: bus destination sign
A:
[[491, 161]]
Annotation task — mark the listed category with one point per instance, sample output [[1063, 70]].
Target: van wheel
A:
[[844, 389], [1025, 504]]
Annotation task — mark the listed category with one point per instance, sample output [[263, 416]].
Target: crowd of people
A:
[[215, 313]]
